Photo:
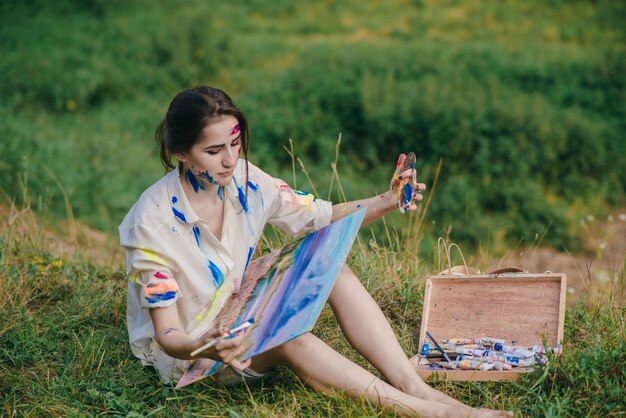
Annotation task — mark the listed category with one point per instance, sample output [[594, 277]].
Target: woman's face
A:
[[214, 156]]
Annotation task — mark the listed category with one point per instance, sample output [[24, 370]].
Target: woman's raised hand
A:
[[404, 183], [226, 349]]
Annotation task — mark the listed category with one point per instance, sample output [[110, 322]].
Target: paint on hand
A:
[[158, 292], [234, 130], [404, 187], [179, 214]]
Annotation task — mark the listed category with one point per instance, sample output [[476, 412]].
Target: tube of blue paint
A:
[[425, 348]]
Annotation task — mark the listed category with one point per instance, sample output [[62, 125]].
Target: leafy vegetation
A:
[[522, 101]]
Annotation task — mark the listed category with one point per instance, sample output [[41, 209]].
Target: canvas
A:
[[284, 292]]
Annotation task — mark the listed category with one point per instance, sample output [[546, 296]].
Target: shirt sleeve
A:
[[149, 268], [292, 211]]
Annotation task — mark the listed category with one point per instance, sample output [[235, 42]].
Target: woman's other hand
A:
[[226, 350], [404, 186]]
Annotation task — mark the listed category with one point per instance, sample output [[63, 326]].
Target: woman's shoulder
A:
[[151, 208]]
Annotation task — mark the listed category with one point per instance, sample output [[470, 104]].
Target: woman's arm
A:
[[379, 206], [178, 344]]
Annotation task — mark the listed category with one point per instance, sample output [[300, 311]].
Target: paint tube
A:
[[490, 342], [474, 365], [458, 341], [425, 348], [477, 352], [498, 362], [445, 365], [540, 349], [516, 351]]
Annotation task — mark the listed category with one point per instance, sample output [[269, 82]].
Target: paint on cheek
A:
[[218, 276], [235, 130], [180, 215], [203, 174], [157, 292], [191, 178]]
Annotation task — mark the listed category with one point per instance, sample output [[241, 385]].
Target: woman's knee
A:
[[295, 348]]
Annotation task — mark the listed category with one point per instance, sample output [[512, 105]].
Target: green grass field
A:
[[522, 105], [64, 348]]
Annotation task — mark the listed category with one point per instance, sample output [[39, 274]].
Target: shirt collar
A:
[[181, 208]]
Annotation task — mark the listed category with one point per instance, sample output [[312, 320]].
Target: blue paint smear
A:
[[177, 213], [298, 192], [193, 181], [253, 186], [207, 176], [242, 198], [250, 251], [218, 277], [220, 192], [407, 194], [161, 297], [196, 235]]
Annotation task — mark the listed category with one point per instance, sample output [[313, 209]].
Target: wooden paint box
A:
[[526, 308]]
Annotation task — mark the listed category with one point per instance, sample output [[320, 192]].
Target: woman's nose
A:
[[231, 156]]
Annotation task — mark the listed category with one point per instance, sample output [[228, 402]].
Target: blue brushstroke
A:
[[242, 197], [250, 251], [180, 215], [218, 276], [220, 192], [253, 186], [298, 192], [196, 235], [407, 194], [161, 297], [207, 176], [193, 181]]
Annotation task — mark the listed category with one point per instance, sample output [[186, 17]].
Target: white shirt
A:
[[173, 258]]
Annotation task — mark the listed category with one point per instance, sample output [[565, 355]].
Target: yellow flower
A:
[[57, 263]]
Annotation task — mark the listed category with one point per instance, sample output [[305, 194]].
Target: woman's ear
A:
[[182, 157]]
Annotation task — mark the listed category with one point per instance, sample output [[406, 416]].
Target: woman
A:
[[190, 237]]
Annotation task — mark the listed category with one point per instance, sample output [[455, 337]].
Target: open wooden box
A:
[[526, 308]]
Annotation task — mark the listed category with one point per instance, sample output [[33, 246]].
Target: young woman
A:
[[190, 237]]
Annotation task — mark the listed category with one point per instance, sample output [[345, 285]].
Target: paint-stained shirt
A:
[[173, 258]]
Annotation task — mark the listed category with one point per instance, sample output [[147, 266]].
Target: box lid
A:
[[524, 308]]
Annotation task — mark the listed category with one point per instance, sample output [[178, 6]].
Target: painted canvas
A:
[[284, 292]]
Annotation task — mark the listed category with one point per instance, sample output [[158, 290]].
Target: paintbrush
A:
[[214, 341], [438, 346]]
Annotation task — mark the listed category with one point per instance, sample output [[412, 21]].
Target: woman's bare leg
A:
[[368, 331], [322, 368]]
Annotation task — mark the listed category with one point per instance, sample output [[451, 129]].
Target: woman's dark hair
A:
[[190, 111]]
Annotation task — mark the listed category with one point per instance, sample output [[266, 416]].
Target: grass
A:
[[64, 348]]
